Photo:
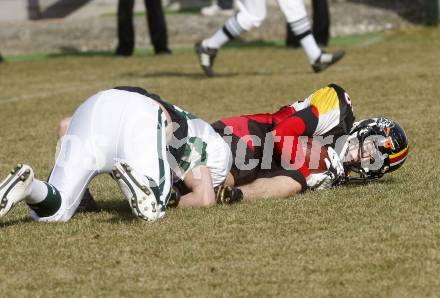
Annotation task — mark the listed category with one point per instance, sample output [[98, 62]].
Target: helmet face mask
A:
[[374, 147]]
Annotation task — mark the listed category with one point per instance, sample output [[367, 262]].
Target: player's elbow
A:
[[208, 200], [290, 188]]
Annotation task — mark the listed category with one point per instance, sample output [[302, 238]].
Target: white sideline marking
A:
[[31, 96], [371, 41], [71, 88]]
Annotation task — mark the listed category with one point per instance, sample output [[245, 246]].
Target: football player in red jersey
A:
[[367, 149], [271, 142]]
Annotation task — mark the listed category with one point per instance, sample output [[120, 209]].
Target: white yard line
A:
[[32, 95]]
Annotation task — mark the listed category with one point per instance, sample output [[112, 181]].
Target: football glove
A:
[[175, 195], [320, 181], [225, 194], [335, 167]]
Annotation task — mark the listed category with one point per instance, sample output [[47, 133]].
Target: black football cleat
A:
[[206, 58], [225, 194], [327, 59]]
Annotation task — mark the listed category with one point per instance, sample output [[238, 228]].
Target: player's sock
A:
[[303, 32], [230, 30], [216, 41], [43, 198]]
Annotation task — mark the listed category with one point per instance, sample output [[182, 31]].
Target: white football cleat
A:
[[15, 187], [136, 189]]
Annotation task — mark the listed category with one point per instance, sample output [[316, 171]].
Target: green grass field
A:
[[377, 240]]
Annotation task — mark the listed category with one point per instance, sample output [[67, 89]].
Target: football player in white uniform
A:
[[142, 141], [251, 14]]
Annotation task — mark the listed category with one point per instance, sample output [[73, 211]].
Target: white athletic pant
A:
[[253, 12], [110, 126]]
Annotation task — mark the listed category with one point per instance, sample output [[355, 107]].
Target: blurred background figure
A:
[[1, 58], [251, 14], [220, 7], [156, 26], [34, 12], [321, 25]]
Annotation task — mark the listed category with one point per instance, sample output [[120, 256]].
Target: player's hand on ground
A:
[[320, 181]]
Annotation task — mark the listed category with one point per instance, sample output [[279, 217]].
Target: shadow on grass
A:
[[201, 76], [62, 9], [380, 182], [176, 74], [15, 222], [237, 44], [75, 52], [71, 51], [120, 209]]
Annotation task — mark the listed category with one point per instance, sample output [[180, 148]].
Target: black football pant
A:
[[156, 26]]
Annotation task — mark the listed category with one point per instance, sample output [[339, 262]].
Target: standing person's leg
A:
[[251, 14], [321, 25], [321, 22], [296, 15], [126, 37], [291, 40], [34, 12], [157, 26]]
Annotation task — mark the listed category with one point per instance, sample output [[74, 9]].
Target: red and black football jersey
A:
[[326, 112]]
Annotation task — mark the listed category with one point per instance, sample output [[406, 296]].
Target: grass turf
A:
[[381, 239]]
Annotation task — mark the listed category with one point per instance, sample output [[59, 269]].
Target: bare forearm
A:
[[192, 200], [198, 180], [265, 188]]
